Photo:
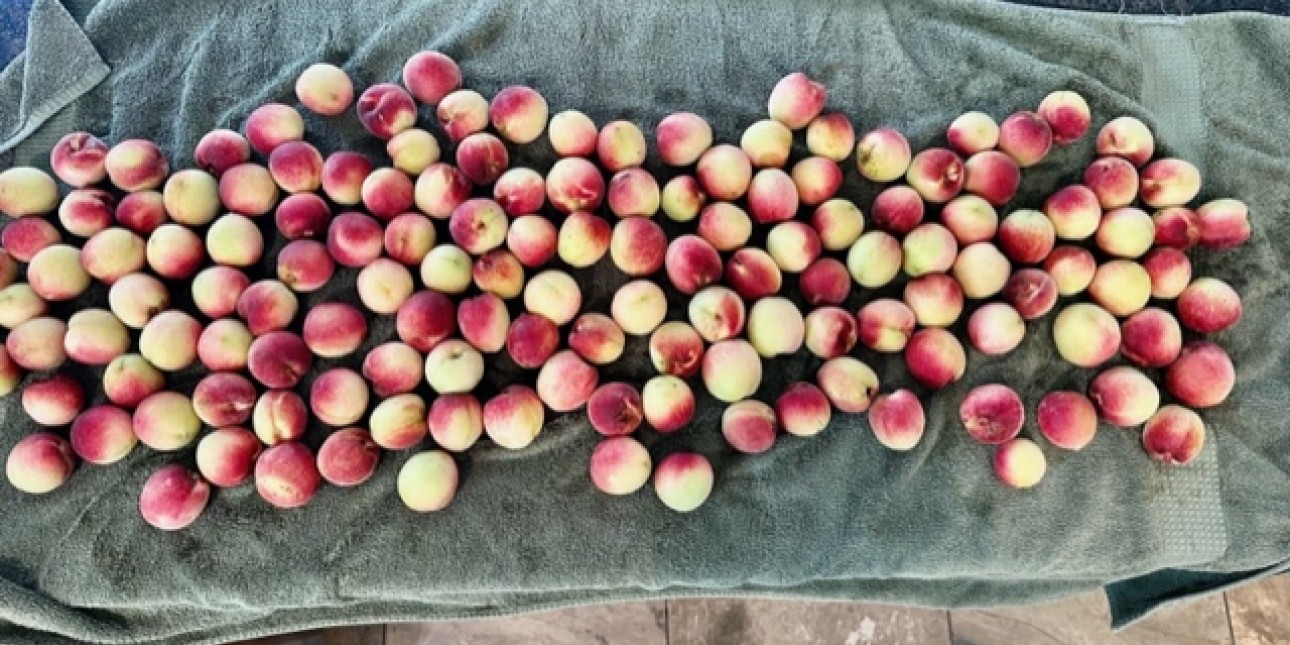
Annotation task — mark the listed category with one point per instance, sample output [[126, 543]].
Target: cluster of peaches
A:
[[151, 231]]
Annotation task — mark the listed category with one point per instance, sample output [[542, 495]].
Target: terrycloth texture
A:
[[835, 516]]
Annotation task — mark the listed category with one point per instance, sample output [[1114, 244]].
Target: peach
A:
[[1086, 335], [26, 237], [731, 370], [279, 359], [772, 196], [614, 409], [937, 174], [639, 307], [936, 299], [992, 414], [412, 151], [95, 337], [1026, 137], [1169, 182], [224, 399], [717, 313], [173, 498], [267, 305], [753, 274], [169, 340], [767, 143], [749, 427], [462, 113], [430, 76], [574, 184], [408, 238], [676, 348], [885, 325], [1126, 233], [1113, 180], [775, 327], [1020, 463], [638, 246], [519, 114], [248, 189], [223, 345], [272, 125], [724, 172], [342, 176], [166, 422], [325, 89], [385, 109], [817, 179], [1124, 396], [1072, 269], [572, 134], [796, 100], [305, 266], [428, 481], [935, 358], [992, 175], [1202, 377], [682, 198], [553, 294], [137, 297], [129, 379], [898, 209], [830, 332], [132, 165], [399, 422], [929, 248], [972, 132], [681, 137], [825, 282], [683, 481], [1068, 419], [1209, 306], [831, 136], [286, 475], [192, 197], [338, 397], [1067, 114], [849, 383], [1074, 211], [10, 373], [1121, 287], [384, 285], [1027, 236], [1224, 223], [1151, 338], [533, 240], [1031, 292], [482, 158], [219, 150], [393, 368], [725, 226], [37, 344], [620, 145], [348, 457], [53, 401], [520, 191], [226, 457], [1169, 270], [1174, 435], [447, 269], [981, 270], [102, 435], [26, 191], [18, 304], [453, 366], [354, 239], [803, 409], [1177, 227], [86, 211], [333, 329], [691, 263], [996, 328], [897, 420], [425, 320], [55, 273], [583, 239], [620, 466], [484, 322], [514, 417], [234, 240], [498, 272], [78, 159], [301, 216], [793, 246], [456, 421], [668, 403], [112, 254], [633, 192], [39, 463], [532, 339], [883, 155], [297, 167], [279, 416], [839, 223], [874, 259]]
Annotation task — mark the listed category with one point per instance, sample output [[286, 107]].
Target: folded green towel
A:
[[836, 516]]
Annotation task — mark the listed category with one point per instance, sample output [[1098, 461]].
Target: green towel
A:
[[836, 516]]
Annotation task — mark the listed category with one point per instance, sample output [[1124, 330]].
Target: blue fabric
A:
[[13, 28]]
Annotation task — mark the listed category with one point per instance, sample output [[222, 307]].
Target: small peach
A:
[[279, 359], [482, 158], [383, 286], [129, 379], [614, 409], [354, 239], [1113, 180], [731, 370], [95, 337], [1202, 377], [803, 409], [297, 167], [55, 273], [936, 299], [224, 345], [553, 294], [692, 263], [399, 422], [1170, 272], [992, 414], [682, 198], [520, 191], [86, 211], [226, 457], [286, 475], [1026, 236], [633, 192], [1067, 114], [348, 457], [1169, 182], [519, 114], [39, 463], [37, 344], [169, 340], [825, 282], [453, 366], [248, 189], [1031, 292], [639, 307], [1151, 338], [430, 76], [796, 100], [572, 134], [1072, 269], [749, 427], [342, 177], [897, 420], [681, 137], [981, 270], [1067, 419], [1208, 306], [219, 150], [775, 327], [1026, 137], [972, 132], [831, 136], [753, 274], [1124, 396], [839, 223], [817, 179], [112, 254], [620, 466], [462, 113], [898, 209], [830, 332], [26, 237], [1224, 223], [531, 340], [724, 172], [1020, 463], [683, 481], [620, 145], [676, 348], [992, 175], [1174, 435], [725, 226], [1086, 335], [166, 422], [426, 319], [935, 358], [574, 184], [772, 196], [885, 325], [102, 435], [333, 329], [514, 417], [413, 150], [638, 246], [849, 383], [532, 239], [385, 110], [301, 216], [173, 498], [132, 165], [456, 421], [668, 403], [1177, 227], [53, 401], [224, 399], [767, 143], [78, 159], [1122, 287], [1075, 212], [447, 269], [393, 368], [428, 481], [874, 259], [325, 89]]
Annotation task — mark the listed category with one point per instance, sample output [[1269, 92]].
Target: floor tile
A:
[[766, 622], [621, 624], [1260, 613]]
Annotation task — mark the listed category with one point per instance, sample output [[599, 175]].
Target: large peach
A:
[[1122, 287], [935, 358], [731, 370], [574, 184], [173, 498], [133, 165], [279, 359], [874, 259], [683, 481], [1169, 182], [439, 189], [224, 345], [399, 422], [615, 409], [753, 274], [453, 366], [620, 145], [749, 427], [929, 248], [26, 237], [518, 113], [169, 340], [681, 137], [1124, 396], [883, 155], [668, 403], [767, 143], [248, 189], [393, 368], [304, 266], [86, 211], [572, 134], [981, 269], [226, 457], [1074, 211], [348, 457], [334, 329], [553, 294], [803, 409], [520, 191], [430, 76], [897, 420], [514, 417], [279, 416], [482, 158], [971, 219], [937, 174], [775, 327], [996, 328], [829, 332], [113, 253], [639, 307], [992, 414], [426, 319], [55, 273], [638, 246], [1086, 334], [39, 463], [796, 100], [129, 379], [620, 466], [1151, 338], [286, 475], [849, 383], [936, 299], [95, 337], [1026, 137], [725, 226], [166, 422], [37, 344], [1224, 223], [1170, 272], [692, 263], [1202, 377], [325, 89], [676, 348], [78, 159], [725, 172], [1027, 236], [385, 109], [533, 240], [1209, 306], [53, 401], [219, 150], [224, 399], [456, 421], [1174, 435], [566, 382], [354, 239], [992, 175], [1072, 269], [1126, 233], [383, 286], [531, 340], [1068, 419], [793, 245]]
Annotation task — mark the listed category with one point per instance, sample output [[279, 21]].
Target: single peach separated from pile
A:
[[972, 132], [620, 466], [226, 457], [286, 475], [897, 420], [325, 89], [639, 307], [996, 328], [514, 417], [725, 226], [173, 498], [1202, 377], [348, 457], [1224, 223], [1072, 269], [399, 422], [1086, 335], [532, 339], [1209, 306], [1020, 463], [615, 409], [456, 421], [885, 325], [935, 358], [78, 159], [166, 422], [992, 414], [1068, 419], [1174, 435], [430, 76], [1124, 396]]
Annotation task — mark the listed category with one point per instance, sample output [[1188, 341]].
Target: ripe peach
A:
[[574, 184], [725, 172], [992, 175], [849, 383], [498, 272], [408, 238], [767, 143], [279, 359], [793, 246], [830, 332], [1122, 287], [1026, 236], [514, 417], [18, 304], [129, 379], [132, 165], [803, 409], [1202, 377], [484, 321], [248, 189], [773, 196], [338, 397], [883, 155], [226, 457], [325, 89], [753, 274], [614, 409], [456, 421], [348, 457], [78, 159], [639, 307], [166, 422], [102, 435], [219, 150], [935, 358], [929, 248], [885, 325], [428, 481], [681, 137], [462, 113], [972, 132], [996, 328], [796, 100], [343, 174], [572, 134], [519, 114], [385, 110], [447, 269], [224, 399], [583, 239], [55, 273], [86, 211], [142, 212], [272, 125], [831, 136], [683, 481], [1169, 182], [1224, 223], [387, 192], [267, 305], [725, 226], [430, 76], [173, 498], [1020, 463], [1067, 114], [1074, 211], [874, 259], [1124, 396], [1151, 338], [1026, 137], [1170, 272], [531, 340], [898, 209], [668, 403], [305, 266], [384, 285], [39, 463], [937, 174], [286, 475], [393, 368], [717, 313], [399, 422], [169, 340], [825, 281], [234, 240], [53, 401], [1177, 227], [633, 192], [1126, 233], [749, 427], [137, 297], [334, 329], [1113, 180], [26, 191], [95, 337], [1067, 419], [897, 420], [691, 263], [731, 370], [1209, 306], [775, 327], [1032, 292], [981, 270], [1086, 335], [620, 466], [638, 246], [482, 158], [297, 167], [453, 366], [426, 319], [354, 239], [37, 344], [532, 239], [1174, 435], [223, 345], [676, 348], [412, 151], [992, 414], [26, 237], [553, 294], [839, 223], [936, 299], [682, 198], [817, 179], [1072, 269], [520, 191], [112, 254], [301, 216], [620, 145]]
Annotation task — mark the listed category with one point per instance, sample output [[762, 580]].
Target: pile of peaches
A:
[[473, 258]]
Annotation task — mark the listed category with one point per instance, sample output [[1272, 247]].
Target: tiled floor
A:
[[1254, 615]]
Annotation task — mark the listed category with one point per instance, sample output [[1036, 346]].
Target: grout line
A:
[[667, 622], [949, 627], [1227, 611], [385, 633]]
